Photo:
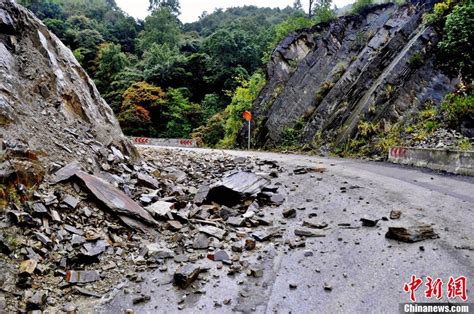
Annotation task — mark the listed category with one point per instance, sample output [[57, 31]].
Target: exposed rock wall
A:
[[357, 68], [48, 104]]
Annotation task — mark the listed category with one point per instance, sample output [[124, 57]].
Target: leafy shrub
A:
[[458, 108], [360, 5], [242, 100], [457, 49], [416, 60], [212, 132]]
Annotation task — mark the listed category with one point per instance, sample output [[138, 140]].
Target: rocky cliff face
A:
[[49, 108], [376, 68]]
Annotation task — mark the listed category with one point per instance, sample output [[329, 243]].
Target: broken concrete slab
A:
[[114, 199], [411, 234]]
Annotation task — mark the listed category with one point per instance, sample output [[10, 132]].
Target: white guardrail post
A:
[[167, 142]]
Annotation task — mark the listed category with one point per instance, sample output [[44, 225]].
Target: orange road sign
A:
[[247, 116]]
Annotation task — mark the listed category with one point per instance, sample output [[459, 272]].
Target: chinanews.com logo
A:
[[454, 289]]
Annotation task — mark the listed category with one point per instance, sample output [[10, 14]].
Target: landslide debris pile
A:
[[339, 84], [82, 234], [79, 212], [50, 114]]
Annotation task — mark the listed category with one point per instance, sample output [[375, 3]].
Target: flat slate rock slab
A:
[[232, 189], [411, 234], [66, 172], [114, 199]]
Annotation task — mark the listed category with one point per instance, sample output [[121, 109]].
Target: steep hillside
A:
[[50, 111], [335, 85]]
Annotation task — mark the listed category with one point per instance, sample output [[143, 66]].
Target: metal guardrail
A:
[[166, 142]]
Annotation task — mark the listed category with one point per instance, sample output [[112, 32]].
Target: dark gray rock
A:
[[289, 213], [366, 222], [218, 256], [395, 214], [71, 201], [186, 275], [43, 238], [201, 242], [213, 231], [411, 234], [307, 233], [115, 199], [66, 172], [236, 187], [147, 181], [82, 276], [94, 248]]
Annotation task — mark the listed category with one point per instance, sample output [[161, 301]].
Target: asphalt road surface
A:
[[366, 271]]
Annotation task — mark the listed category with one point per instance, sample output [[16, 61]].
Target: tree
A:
[[310, 9], [458, 40], [110, 62], [164, 65], [142, 104], [297, 5], [180, 114], [360, 5], [161, 27], [323, 11], [172, 5], [242, 100]]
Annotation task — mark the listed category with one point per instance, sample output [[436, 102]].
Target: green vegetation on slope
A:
[[163, 78]]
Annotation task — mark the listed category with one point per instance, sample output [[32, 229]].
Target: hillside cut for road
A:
[[374, 69], [48, 104]]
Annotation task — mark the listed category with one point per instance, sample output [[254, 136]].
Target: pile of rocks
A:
[[441, 139], [82, 233]]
